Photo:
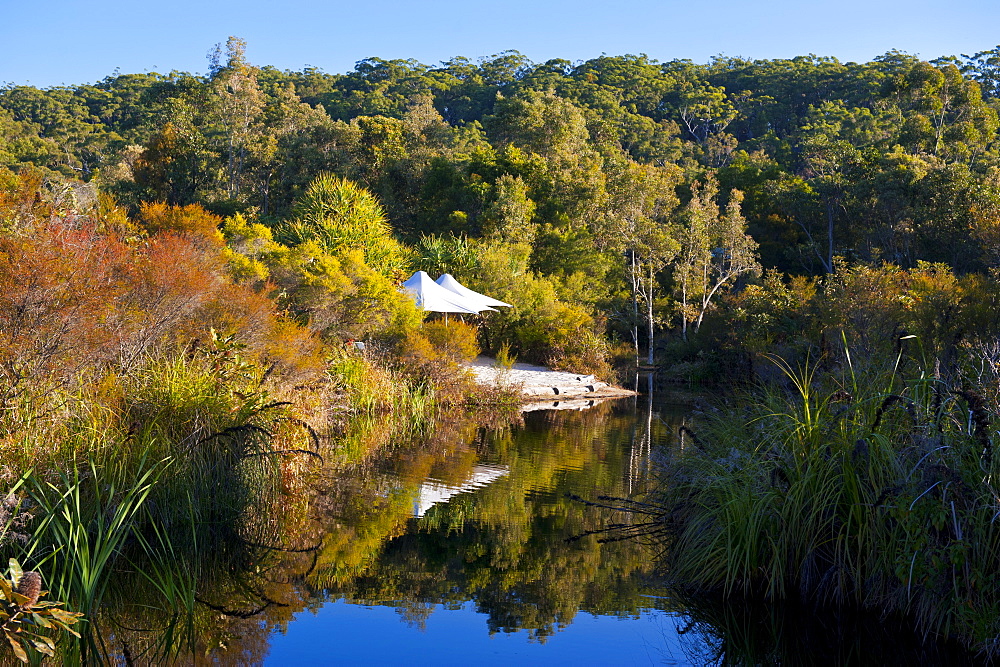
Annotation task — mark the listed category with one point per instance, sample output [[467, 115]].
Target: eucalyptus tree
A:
[[178, 164], [715, 250], [236, 102], [703, 110], [21, 145], [942, 112], [60, 118], [984, 68], [510, 215], [641, 199], [283, 122], [551, 138]]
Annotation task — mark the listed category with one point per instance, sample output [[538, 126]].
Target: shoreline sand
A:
[[543, 385]]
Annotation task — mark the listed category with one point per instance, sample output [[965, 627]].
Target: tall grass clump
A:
[[364, 384], [874, 488], [186, 456], [377, 399]]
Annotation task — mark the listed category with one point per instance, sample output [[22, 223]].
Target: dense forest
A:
[[618, 197]]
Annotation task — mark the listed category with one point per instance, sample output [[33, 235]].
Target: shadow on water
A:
[[744, 632]]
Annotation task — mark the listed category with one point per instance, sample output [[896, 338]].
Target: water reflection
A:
[[502, 542], [461, 543], [433, 492]]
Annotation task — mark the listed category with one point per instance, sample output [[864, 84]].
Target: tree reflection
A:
[[504, 548]]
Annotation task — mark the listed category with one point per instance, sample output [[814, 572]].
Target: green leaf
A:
[[40, 620], [6, 589], [15, 571]]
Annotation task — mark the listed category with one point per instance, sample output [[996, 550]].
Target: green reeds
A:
[[86, 518], [173, 572], [857, 489]]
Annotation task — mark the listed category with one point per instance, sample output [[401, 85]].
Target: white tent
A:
[[448, 282], [431, 296]]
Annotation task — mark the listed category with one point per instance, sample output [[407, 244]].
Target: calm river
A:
[[468, 544], [470, 549]]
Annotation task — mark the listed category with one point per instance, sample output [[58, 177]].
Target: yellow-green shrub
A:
[[436, 354], [455, 340], [342, 296], [540, 325]]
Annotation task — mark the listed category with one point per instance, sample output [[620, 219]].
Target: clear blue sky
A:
[[72, 41]]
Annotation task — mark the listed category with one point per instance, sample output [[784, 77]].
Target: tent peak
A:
[[448, 282]]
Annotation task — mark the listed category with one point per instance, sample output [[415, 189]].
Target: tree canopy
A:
[[581, 163]]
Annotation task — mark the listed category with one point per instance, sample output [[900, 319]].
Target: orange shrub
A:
[[158, 217], [436, 354], [251, 317], [61, 294], [75, 298]]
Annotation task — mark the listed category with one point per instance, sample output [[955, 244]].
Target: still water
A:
[[471, 548], [479, 539]]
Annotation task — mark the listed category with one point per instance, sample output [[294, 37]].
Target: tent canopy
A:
[[431, 296], [448, 282]]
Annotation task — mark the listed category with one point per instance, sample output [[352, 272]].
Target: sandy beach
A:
[[542, 385]]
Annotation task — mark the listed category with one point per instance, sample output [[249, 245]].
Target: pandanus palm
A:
[[340, 214]]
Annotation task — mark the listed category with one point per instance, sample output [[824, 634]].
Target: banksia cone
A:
[[30, 586]]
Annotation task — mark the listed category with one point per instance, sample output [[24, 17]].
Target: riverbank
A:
[[860, 487], [538, 383]]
